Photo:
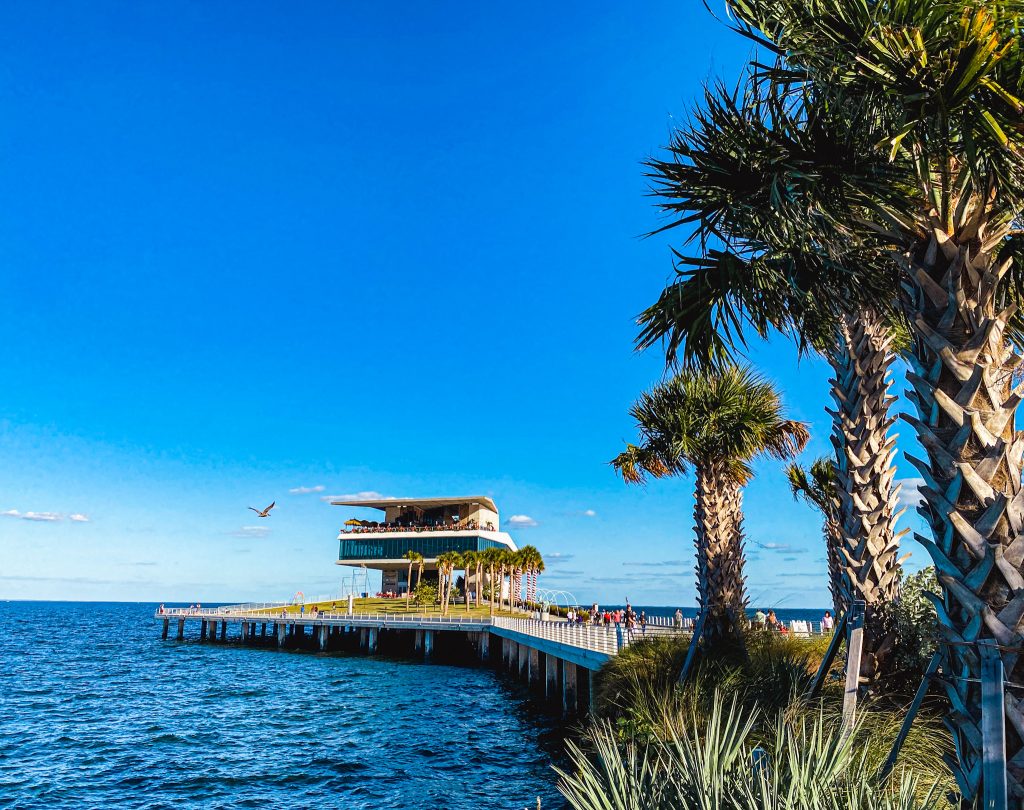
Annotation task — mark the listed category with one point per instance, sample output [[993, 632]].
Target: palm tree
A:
[[469, 562], [420, 562], [447, 562], [785, 273], [520, 563], [489, 558], [503, 559], [412, 557], [532, 564], [479, 565], [818, 487], [717, 422], [916, 171]]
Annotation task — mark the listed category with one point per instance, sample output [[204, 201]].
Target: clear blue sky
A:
[[248, 248]]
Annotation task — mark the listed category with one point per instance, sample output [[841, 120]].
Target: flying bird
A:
[[265, 512]]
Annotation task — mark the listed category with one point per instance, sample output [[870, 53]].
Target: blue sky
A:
[[250, 248]]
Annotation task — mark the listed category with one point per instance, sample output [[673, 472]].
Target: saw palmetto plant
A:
[[715, 422], [876, 159]]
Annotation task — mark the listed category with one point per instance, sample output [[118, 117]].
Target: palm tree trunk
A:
[[966, 398], [491, 583], [721, 586], [869, 543], [408, 587], [479, 582], [833, 544], [466, 589]]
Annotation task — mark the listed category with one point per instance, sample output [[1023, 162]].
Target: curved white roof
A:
[[384, 503]]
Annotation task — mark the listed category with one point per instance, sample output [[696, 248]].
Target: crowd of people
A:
[[373, 527]]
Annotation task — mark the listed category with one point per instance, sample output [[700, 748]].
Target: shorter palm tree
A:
[[469, 562], [447, 562], [412, 557], [817, 486], [718, 422]]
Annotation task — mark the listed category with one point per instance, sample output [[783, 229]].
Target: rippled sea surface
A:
[[97, 712]]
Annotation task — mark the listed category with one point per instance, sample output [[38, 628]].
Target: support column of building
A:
[[181, 629], [550, 677], [533, 666], [568, 688], [371, 640], [428, 644], [279, 630]]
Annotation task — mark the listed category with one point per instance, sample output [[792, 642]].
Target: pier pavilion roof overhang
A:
[[424, 503]]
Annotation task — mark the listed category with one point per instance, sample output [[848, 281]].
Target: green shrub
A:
[[736, 758], [425, 595]]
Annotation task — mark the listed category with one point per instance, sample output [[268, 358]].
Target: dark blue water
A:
[[97, 712]]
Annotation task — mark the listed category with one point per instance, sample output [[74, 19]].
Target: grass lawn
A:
[[395, 606]]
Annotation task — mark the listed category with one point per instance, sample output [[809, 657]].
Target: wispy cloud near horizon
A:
[[251, 531], [44, 517], [366, 495], [306, 490]]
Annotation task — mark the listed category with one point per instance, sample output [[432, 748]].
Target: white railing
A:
[[600, 638]]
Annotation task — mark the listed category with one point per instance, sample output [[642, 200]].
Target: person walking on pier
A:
[[678, 619], [643, 623]]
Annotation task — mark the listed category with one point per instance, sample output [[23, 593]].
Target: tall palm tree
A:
[[914, 112], [818, 486], [469, 563], [785, 273], [412, 557], [715, 422], [504, 561], [533, 563]]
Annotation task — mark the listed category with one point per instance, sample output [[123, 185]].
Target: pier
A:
[[555, 658]]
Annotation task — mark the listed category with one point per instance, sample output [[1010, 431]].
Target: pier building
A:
[[429, 526]]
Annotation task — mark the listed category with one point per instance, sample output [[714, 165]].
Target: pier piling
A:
[[167, 624], [568, 688], [550, 676], [533, 666], [371, 640], [428, 644], [280, 631], [223, 631], [522, 659], [322, 634], [181, 629]]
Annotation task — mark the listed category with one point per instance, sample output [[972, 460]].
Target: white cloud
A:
[[251, 532], [367, 495], [306, 490], [589, 513], [910, 492], [43, 517], [557, 557], [522, 521]]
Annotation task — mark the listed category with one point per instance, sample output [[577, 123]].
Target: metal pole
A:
[[993, 728]]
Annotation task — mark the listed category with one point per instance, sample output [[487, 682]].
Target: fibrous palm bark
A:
[[868, 542], [721, 585], [966, 397]]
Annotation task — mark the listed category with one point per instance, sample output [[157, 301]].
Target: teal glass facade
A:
[[371, 547]]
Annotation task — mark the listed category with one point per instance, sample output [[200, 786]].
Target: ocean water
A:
[[96, 711]]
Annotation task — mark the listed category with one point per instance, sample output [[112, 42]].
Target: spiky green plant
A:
[[734, 758]]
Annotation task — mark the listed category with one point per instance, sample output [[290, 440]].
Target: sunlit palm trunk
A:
[[479, 583], [721, 586], [833, 556], [966, 399], [869, 545]]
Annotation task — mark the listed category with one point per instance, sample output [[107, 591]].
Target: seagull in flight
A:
[[265, 512]]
